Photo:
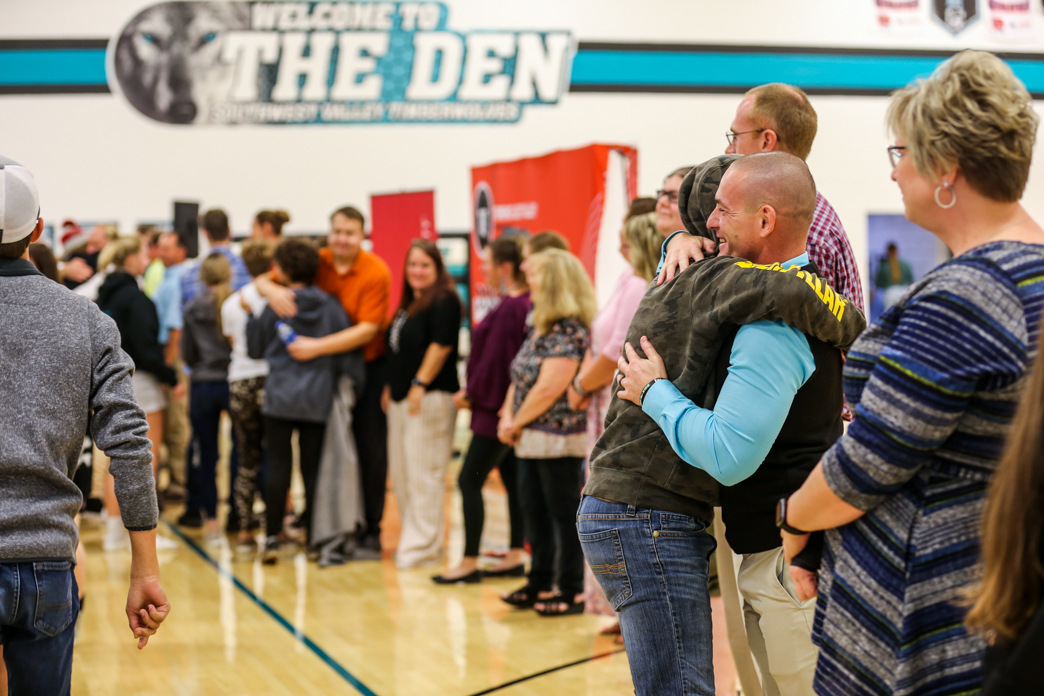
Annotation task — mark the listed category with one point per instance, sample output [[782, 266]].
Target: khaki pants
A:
[[779, 627], [176, 432], [419, 450]]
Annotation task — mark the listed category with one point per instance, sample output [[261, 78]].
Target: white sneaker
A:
[[120, 542], [165, 544]]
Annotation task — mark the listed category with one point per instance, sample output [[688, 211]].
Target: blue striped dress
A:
[[934, 384]]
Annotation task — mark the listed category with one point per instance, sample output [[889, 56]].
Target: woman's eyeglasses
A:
[[895, 153]]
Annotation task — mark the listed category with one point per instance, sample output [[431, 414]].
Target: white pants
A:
[[419, 450], [779, 627]]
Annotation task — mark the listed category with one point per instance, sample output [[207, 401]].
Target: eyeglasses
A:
[[895, 153], [732, 135], [672, 196]]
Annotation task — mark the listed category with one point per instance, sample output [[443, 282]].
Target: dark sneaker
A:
[[193, 519], [271, 552], [232, 523]]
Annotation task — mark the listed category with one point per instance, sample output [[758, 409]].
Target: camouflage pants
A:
[[245, 399]]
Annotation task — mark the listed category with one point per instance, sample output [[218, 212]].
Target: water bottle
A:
[[287, 334]]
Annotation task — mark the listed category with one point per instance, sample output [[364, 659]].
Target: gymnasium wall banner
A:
[[221, 62], [396, 220], [564, 191]]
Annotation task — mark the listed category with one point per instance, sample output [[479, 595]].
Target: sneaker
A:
[[215, 539], [174, 493], [271, 552], [246, 547], [165, 544], [192, 519], [232, 523]]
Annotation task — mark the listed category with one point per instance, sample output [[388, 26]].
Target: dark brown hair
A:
[[298, 260], [275, 218], [1012, 586], [14, 250], [640, 206], [509, 250], [215, 222], [352, 213], [443, 285], [43, 259]]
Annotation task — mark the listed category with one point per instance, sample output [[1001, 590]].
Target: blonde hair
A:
[[216, 273], [644, 241], [117, 251], [565, 290], [972, 112], [785, 109]]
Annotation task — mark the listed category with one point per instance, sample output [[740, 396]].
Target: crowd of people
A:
[[701, 409]]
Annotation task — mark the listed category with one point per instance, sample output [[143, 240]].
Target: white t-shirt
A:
[[233, 322]]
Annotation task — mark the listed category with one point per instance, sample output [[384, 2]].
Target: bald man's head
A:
[[765, 205], [780, 180]]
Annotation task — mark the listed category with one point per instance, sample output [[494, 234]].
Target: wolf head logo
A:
[[168, 58]]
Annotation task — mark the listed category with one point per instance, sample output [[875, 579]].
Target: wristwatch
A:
[[781, 519], [417, 383]]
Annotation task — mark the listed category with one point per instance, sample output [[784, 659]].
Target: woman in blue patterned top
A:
[[934, 385]]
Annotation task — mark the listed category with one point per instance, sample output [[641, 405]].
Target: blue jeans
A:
[[38, 608], [207, 401], [653, 567]]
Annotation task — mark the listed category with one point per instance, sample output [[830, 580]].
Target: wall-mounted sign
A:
[[898, 15], [955, 15], [330, 62]]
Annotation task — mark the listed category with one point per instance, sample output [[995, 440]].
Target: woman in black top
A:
[[1009, 602], [120, 297], [422, 369]]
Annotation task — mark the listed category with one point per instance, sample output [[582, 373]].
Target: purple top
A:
[[494, 343]]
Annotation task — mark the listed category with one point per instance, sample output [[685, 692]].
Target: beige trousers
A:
[[176, 432], [419, 450], [779, 627]]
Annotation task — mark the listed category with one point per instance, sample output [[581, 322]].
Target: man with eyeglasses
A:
[[668, 219], [779, 117]]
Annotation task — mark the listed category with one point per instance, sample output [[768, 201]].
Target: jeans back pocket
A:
[[605, 556], [54, 597]]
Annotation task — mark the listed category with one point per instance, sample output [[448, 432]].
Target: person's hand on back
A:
[[681, 251]]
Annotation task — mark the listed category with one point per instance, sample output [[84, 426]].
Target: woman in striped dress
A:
[[934, 384]]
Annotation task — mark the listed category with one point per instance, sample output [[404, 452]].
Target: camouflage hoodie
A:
[[688, 320]]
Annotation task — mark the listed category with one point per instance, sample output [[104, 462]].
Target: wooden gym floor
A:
[[237, 627]]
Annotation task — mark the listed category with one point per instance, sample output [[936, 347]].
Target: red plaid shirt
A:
[[829, 249]]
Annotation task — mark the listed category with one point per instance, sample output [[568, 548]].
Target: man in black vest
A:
[[747, 393]]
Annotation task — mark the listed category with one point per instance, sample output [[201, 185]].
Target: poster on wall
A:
[[955, 15], [218, 62], [1011, 20], [563, 191], [899, 16], [398, 219]]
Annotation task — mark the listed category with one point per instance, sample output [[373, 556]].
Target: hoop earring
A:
[[953, 193]]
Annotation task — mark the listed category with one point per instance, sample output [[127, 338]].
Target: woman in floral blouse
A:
[[550, 439]]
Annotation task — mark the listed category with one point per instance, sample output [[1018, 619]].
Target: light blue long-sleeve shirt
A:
[[769, 363]]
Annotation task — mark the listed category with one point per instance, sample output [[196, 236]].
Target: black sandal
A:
[[523, 598], [552, 606]]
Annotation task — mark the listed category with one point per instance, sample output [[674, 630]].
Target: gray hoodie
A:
[[303, 390], [62, 374], [205, 351]]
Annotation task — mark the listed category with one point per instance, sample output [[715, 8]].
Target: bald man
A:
[[763, 405]]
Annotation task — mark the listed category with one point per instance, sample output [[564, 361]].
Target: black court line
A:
[[279, 618], [546, 671]]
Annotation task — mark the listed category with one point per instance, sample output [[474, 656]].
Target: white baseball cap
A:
[[19, 201]]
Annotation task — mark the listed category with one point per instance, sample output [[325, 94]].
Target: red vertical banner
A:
[[396, 220], [562, 191]]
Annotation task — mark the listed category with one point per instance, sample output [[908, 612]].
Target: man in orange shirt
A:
[[362, 282]]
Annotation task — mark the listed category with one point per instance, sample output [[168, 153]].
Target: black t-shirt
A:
[[409, 338]]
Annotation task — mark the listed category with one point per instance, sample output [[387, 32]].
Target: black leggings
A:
[[484, 453], [550, 497], [281, 463]]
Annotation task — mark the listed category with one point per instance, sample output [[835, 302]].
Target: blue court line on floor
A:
[[279, 618], [547, 671]]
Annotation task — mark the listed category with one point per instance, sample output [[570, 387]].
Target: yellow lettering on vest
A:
[[819, 287], [828, 296], [840, 311]]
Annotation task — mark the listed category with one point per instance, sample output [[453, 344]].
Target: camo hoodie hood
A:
[[696, 193]]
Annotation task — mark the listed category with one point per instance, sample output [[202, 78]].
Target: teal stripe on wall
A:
[[604, 68], [63, 66]]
